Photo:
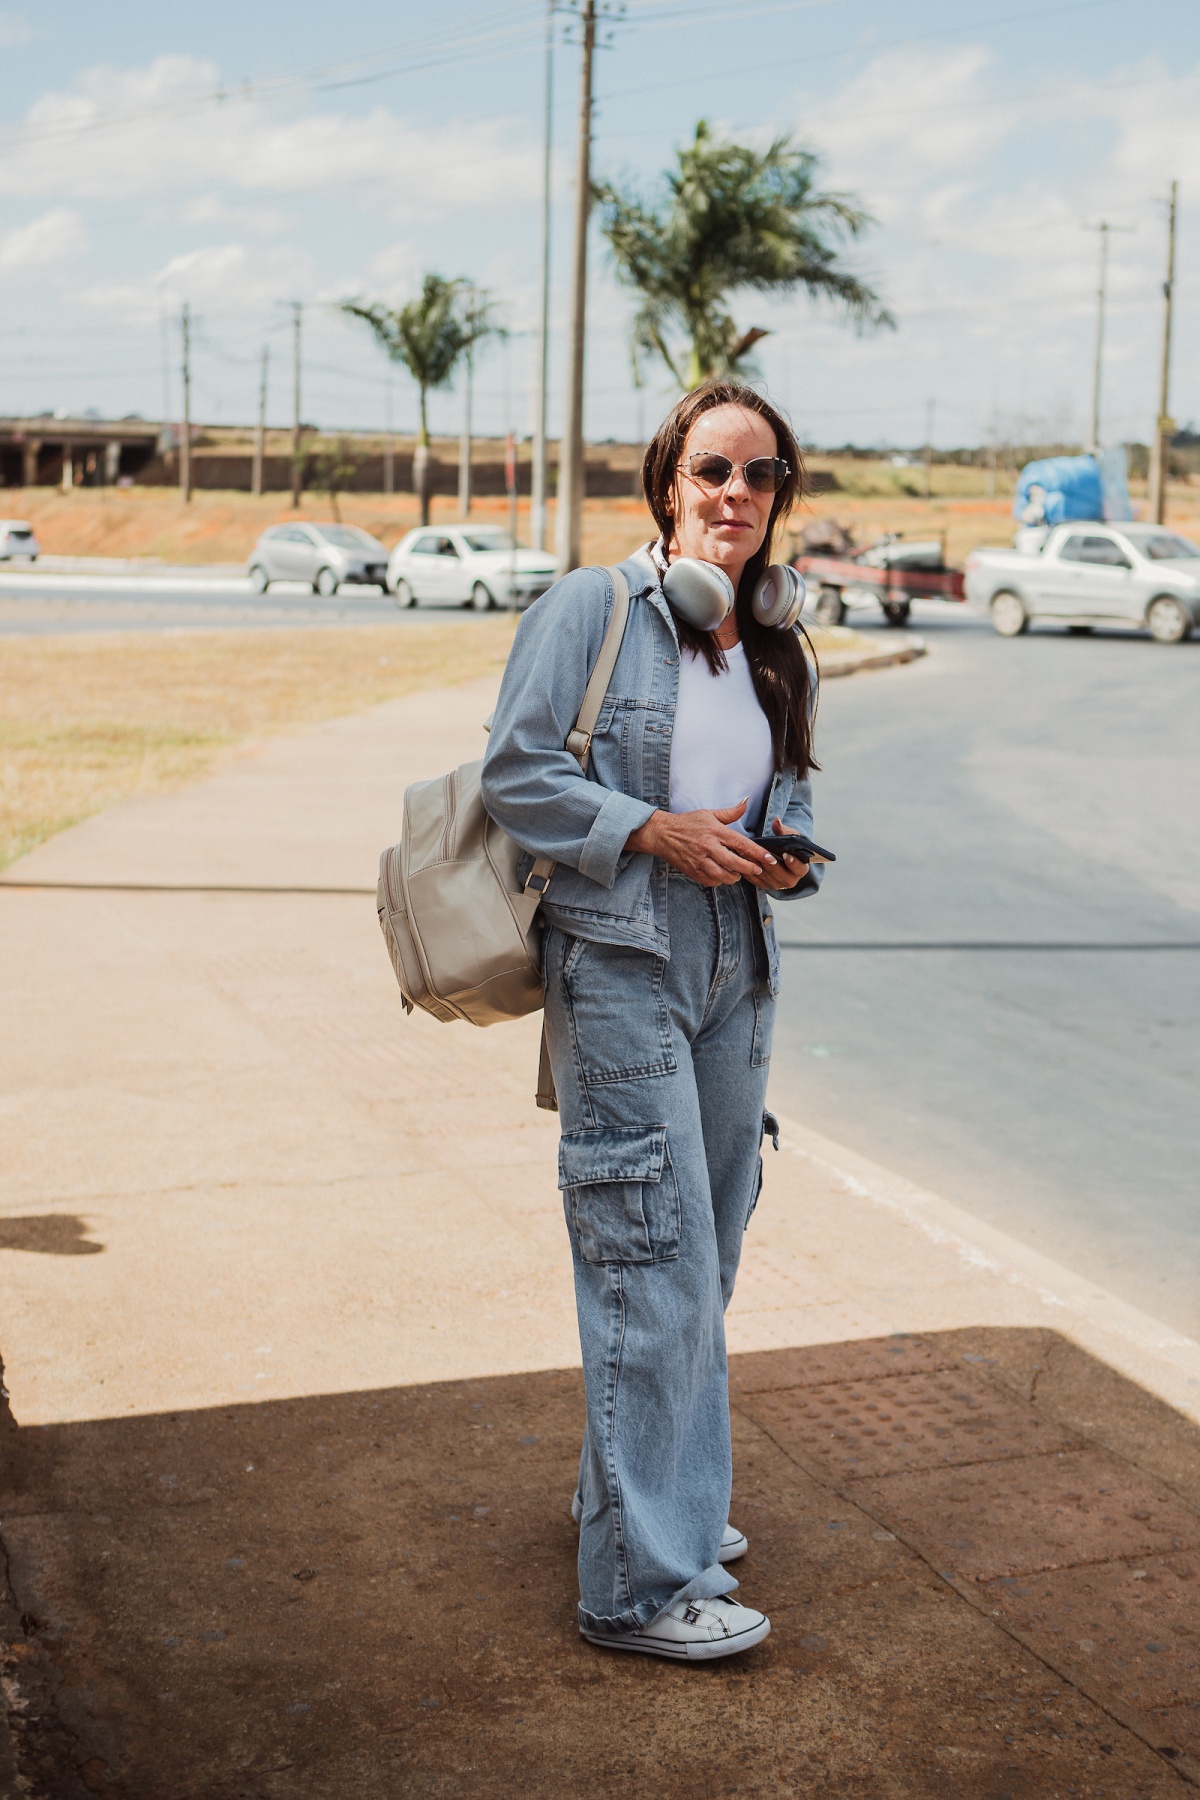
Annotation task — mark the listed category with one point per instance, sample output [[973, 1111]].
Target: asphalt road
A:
[[38, 604], [998, 992]]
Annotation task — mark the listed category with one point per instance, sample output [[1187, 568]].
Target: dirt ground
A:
[[219, 527]]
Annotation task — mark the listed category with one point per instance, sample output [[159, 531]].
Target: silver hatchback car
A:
[[324, 556]]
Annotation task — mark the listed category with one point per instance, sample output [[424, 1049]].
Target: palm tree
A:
[[428, 336], [733, 217]]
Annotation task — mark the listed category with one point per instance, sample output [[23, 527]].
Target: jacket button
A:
[[767, 918]]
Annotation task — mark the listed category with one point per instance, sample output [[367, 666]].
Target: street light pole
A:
[[1164, 427], [1103, 229], [1106, 230], [297, 309], [260, 436], [570, 459], [464, 442], [537, 498], [185, 442]]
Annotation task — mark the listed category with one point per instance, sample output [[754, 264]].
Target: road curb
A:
[[848, 660]]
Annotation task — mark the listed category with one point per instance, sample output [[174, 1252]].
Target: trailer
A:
[[891, 576]]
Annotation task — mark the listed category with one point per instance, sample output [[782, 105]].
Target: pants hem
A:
[[713, 1581]]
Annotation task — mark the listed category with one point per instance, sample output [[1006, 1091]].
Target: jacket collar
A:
[[645, 583]]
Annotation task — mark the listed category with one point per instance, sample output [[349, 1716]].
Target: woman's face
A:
[[727, 525]]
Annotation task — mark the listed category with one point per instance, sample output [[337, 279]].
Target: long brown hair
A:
[[779, 660]]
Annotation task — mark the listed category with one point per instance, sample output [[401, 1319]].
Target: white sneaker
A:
[[694, 1631], [734, 1543]]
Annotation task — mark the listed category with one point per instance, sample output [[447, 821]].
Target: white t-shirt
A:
[[721, 748]]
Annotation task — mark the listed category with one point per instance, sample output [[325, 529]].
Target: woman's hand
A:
[[783, 874], [704, 847]]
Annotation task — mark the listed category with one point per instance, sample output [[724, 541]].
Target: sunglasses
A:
[[765, 474]]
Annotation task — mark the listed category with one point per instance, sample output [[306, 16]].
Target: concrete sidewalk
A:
[[290, 1343]]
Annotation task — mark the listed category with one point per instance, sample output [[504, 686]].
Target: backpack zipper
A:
[[450, 791]]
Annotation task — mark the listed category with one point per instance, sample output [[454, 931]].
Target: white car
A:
[[17, 539], [1082, 575], [467, 565]]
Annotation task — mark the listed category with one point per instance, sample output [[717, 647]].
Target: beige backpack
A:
[[462, 933]]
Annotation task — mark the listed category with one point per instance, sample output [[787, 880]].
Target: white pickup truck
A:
[[1088, 574]]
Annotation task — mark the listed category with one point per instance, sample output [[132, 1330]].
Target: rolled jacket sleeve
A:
[[532, 785], [798, 817]]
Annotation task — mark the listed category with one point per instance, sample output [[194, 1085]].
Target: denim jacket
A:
[[535, 790]]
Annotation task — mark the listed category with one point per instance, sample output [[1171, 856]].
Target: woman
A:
[[661, 969]]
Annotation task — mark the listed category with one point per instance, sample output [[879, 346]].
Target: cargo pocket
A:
[[620, 1194]]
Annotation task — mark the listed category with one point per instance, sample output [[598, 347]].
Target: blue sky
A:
[[374, 143]]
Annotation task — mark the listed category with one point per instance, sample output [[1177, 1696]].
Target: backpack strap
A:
[[579, 741]]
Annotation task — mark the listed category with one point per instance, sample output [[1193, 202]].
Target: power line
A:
[[442, 51]]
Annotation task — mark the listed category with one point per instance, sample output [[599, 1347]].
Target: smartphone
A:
[[800, 847]]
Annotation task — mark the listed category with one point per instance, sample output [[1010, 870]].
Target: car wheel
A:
[[1167, 621], [1009, 617], [259, 580], [326, 584], [830, 608], [896, 611], [403, 595], [481, 599]]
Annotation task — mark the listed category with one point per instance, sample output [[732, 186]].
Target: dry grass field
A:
[[90, 719]]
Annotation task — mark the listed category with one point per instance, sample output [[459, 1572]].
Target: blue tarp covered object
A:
[[1057, 488]]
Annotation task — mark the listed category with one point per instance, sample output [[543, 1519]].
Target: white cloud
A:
[[236, 279], [912, 119], [210, 209], [14, 29], [120, 133], [54, 238]]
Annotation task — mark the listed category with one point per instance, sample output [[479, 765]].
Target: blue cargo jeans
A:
[[661, 1070]]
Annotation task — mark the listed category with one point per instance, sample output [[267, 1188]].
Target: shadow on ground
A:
[[979, 1551], [48, 1234]]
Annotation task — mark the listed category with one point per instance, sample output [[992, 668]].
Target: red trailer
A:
[[845, 581]]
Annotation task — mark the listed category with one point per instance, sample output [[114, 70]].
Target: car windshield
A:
[[487, 540], [1163, 546], [346, 537]]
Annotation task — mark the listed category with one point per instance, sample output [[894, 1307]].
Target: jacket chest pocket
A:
[[620, 1195]]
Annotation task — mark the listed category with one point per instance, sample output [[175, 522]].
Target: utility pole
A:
[[1105, 229], [510, 483], [537, 499], [929, 412], [1164, 427], [297, 479], [185, 442], [260, 436], [389, 459], [464, 443], [570, 456]]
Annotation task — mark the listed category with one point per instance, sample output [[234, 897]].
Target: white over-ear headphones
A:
[[702, 594]]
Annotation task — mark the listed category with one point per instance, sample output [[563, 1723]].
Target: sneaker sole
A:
[[705, 1651]]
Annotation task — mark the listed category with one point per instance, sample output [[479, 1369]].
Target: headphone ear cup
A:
[[700, 592], [779, 596]]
